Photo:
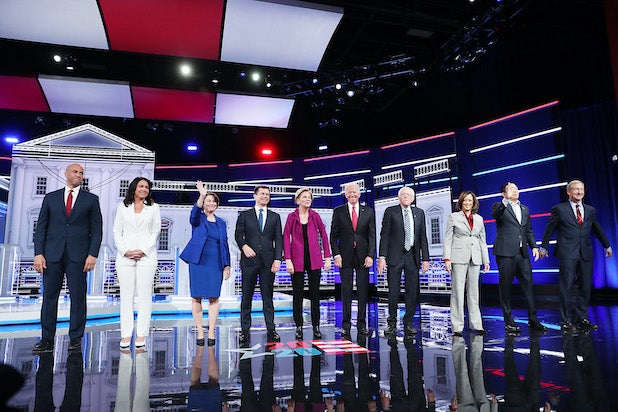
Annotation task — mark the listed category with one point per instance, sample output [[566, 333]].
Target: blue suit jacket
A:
[[193, 250], [80, 233]]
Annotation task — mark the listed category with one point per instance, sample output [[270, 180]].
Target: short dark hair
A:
[[130, 196], [475, 201], [503, 187], [214, 196], [257, 189]]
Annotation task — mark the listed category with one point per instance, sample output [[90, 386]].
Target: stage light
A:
[[267, 152], [255, 76], [11, 139], [350, 93], [338, 86], [322, 147], [268, 84], [243, 74], [215, 81], [185, 69], [414, 83], [314, 80], [192, 148], [57, 58]]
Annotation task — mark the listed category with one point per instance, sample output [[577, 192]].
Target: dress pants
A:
[[249, 280], [298, 285], [135, 276], [393, 275], [465, 285], [508, 268], [362, 292], [53, 277], [574, 269]]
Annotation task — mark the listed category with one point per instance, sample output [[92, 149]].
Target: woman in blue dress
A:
[[208, 256]]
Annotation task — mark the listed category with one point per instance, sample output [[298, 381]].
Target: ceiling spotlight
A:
[[414, 83], [350, 93], [255, 76], [11, 139], [215, 81], [338, 86], [57, 58], [185, 69], [192, 148], [70, 63], [314, 80], [322, 147], [243, 74], [268, 84]]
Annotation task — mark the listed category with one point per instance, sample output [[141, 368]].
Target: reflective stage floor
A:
[[495, 372]]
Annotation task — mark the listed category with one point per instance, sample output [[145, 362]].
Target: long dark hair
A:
[[475, 201], [130, 197]]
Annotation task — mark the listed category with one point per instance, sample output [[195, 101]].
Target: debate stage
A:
[[575, 372]]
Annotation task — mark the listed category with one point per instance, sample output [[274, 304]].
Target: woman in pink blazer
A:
[[302, 250]]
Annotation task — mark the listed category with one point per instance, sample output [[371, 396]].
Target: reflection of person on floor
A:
[[141, 398], [72, 400], [204, 396], [353, 399], [414, 399], [584, 376], [470, 386], [12, 382], [522, 394], [300, 400], [249, 400]]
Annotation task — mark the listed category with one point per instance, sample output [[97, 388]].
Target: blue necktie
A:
[[261, 219]]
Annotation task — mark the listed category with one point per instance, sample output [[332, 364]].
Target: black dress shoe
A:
[[273, 336], [199, 342], [390, 330], [43, 346], [316, 333], [363, 330], [537, 326], [244, 337], [75, 345], [481, 332], [299, 333], [211, 342], [345, 334], [568, 327], [458, 334], [585, 324], [409, 330], [512, 329]]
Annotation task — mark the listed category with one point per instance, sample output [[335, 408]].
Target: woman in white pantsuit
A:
[[136, 230], [465, 250]]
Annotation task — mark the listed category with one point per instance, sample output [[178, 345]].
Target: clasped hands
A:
[[135, 254]]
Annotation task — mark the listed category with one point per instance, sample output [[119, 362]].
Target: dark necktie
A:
[[261, 219], [69, 204], [354, 218], [580, 221]]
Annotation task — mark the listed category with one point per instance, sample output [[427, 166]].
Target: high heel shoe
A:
[[299, 333], [316, 333]]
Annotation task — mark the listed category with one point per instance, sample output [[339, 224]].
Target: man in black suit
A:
[[403, 245], [574, 222], [353, 243], [513, 236], [67, 239], [258, 235]]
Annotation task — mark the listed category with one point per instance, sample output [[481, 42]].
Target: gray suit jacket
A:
[[462, 244]]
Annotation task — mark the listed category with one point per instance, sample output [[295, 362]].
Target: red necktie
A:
[[69, 202], [580, 221], [354, 218]]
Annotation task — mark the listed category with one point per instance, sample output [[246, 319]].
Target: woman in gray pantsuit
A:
[[465, 250]]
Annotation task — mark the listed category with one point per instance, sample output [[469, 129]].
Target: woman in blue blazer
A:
[[208, 256]]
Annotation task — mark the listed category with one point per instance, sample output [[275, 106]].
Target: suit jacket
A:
[[571, 237], [193, 250], [343, 236], [80, 233], [293, 245], [392, 236], [510, 233], [131, 233], [462, 244], [267, 244]]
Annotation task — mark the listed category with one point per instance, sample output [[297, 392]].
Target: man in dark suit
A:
[[403, 246], [258, 235], [67, 239], [574, 222], [353, 243], [513, 236]]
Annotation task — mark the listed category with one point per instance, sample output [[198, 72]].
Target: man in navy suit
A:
[[258, 235], [403, 246], [513, 237], [67, 239], [353, 243], [574, 222]]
